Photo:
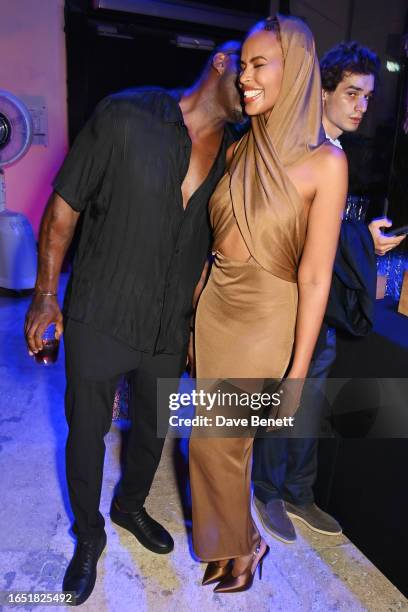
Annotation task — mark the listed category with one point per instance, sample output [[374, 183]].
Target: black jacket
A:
[[352, 295]]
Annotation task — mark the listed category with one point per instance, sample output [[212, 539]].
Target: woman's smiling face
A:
[[261, 72]]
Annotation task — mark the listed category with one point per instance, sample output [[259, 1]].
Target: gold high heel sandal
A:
[[243, 582], [216, 571]]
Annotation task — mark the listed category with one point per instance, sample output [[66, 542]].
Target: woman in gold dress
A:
[[276, 216]]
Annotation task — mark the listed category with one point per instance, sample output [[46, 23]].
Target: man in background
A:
[[284, 469]]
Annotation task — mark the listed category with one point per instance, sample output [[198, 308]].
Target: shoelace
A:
[[144, 520], [86, 552]]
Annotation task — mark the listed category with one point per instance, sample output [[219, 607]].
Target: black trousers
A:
[[94, 364], [286, 468]]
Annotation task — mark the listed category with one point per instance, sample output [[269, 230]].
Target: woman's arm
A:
[[316, 265]]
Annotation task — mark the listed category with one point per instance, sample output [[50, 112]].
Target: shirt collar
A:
[[336, 142], [172, 111]]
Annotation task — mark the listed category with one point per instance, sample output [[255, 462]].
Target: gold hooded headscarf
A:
[[268, 209]]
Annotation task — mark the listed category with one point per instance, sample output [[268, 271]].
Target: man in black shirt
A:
[[140, 173]]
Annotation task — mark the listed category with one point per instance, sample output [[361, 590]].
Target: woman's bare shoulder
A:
[[330, 157], [331, 169]]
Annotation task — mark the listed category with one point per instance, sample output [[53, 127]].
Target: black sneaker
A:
[[275, 519], [146, 530], [315, 518], [80, 576]]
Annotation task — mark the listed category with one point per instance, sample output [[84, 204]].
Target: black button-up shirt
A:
[[140, 254]]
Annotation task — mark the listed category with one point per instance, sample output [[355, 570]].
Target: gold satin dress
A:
[[246, 315], [245, 325]]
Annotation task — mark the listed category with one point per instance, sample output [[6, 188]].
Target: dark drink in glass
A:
[[49, 352]]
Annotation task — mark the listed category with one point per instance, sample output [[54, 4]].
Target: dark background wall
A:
[[109, 50]]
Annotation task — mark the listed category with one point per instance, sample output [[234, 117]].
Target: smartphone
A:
[[398, 231]]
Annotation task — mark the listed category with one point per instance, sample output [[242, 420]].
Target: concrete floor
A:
[[317, 573]]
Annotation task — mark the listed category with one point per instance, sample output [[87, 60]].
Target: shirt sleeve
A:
[[86, 162]]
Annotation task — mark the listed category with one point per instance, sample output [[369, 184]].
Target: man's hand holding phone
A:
[[385, 241]]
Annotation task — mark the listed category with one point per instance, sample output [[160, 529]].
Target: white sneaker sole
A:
[[268, 529], [302, 520]]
